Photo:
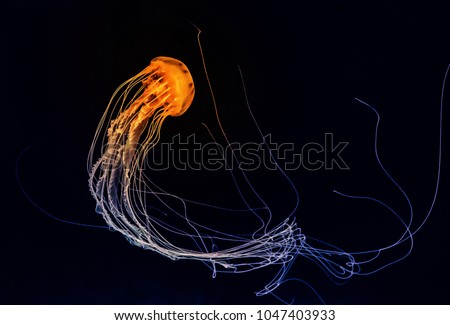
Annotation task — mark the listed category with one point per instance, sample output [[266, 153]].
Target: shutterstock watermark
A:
[[186, 153]]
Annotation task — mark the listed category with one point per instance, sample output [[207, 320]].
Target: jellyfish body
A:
[[126, 197], [167, 90]]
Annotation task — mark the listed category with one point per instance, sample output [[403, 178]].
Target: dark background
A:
[[60, 61]]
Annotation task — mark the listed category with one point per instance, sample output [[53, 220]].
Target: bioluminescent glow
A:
[[155, 219]]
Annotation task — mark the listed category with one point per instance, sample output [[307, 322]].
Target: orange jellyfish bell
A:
[[171, 75], [164, 88]]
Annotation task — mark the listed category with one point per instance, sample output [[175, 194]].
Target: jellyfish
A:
[[155, 219], [147, 216], [136, 207]]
